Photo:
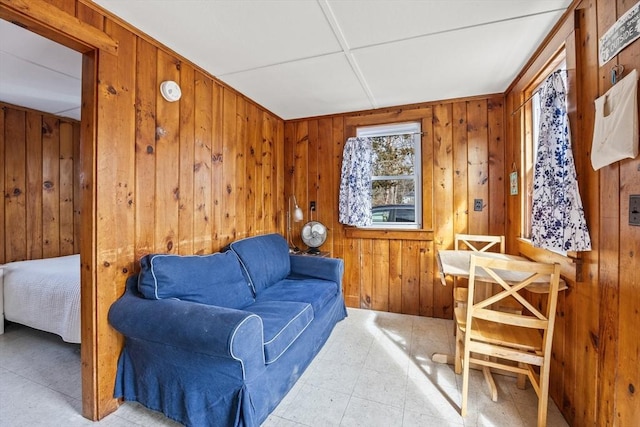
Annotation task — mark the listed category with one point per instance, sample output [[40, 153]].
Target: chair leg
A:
[[543, 398], [465, 383], [459, 349]]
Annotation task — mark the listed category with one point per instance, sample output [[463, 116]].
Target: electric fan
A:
[[314, 234]]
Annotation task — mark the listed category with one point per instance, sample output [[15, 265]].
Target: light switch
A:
[[634, 209]]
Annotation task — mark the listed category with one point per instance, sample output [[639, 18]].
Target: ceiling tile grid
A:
[[301, 58], [284, 54]]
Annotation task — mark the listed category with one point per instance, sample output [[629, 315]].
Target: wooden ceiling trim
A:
[[49, 21]]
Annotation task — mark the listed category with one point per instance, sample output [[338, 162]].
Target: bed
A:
[[43, 294]]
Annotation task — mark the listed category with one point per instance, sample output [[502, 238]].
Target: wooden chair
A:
[[476, 243], [515, 342]]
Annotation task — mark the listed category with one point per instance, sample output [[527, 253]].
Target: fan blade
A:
[[319, 228]]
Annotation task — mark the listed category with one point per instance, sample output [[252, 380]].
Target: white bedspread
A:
[[44, 294]]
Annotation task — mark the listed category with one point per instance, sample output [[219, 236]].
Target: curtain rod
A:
[[535, 92], [525, 102]]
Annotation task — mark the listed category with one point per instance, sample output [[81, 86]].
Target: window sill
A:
[[387, 234], [570, 264]]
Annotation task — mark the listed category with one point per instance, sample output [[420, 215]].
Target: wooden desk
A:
[[456, 263]]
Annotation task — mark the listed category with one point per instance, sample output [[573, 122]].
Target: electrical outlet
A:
[[312, 206], [477, 205], [634, 209]]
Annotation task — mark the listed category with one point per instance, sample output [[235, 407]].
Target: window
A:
[[532, 111], [396, 183]]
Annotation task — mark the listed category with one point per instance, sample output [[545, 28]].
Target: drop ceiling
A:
[[38, 73], [314, 57]]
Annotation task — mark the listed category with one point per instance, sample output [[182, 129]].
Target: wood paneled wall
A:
[[462, 160], [185, 177], [596, 351], [189, 177], [40, 212]]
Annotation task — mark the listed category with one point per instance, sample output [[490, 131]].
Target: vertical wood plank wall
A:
[[596, 353], [39, 213], [185, 177], [174, 177], [191, 176], [462, 160]]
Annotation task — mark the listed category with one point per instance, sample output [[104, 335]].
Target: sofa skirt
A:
[[202, 390]]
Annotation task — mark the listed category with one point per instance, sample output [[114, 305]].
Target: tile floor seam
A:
[[33, 381]]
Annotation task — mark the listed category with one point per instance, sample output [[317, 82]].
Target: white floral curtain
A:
[[558, 221], [355, 183]]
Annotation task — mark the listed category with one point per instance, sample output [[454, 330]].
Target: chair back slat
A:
[[520, 274], [511, 319], [479, 242]]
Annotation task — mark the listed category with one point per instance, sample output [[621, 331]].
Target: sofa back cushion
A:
[[265, 259], [214, 279]]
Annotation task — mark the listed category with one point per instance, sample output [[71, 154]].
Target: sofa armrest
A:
[[318, 267], [213, 330]]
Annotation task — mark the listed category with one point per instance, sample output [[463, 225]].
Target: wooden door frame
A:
[[54, 24]]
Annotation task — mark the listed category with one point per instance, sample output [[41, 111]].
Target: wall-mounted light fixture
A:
[[297, 217], [170, 90]]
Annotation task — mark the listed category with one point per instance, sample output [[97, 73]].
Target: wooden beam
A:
[[49, 21]]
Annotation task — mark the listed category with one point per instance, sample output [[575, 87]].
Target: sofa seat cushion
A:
[[214, 279], [317, 292], [283, 322]]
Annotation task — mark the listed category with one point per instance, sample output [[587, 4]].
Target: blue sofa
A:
[[220, 339]]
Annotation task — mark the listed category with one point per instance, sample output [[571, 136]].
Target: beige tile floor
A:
[[375, 370]]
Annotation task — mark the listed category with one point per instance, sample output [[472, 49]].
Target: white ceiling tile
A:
[[316, 86], [38, 73], [366, 23], [35, 49], [229, 36], [470, 62], [284, 54], [37, 87]]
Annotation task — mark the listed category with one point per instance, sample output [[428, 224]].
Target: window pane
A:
[[395, 176], [405, 215], [393, 155], [393, 192], [380, 214], [393, 213]]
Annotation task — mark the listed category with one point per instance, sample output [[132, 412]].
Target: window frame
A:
[[413, 128], [529, 136]]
